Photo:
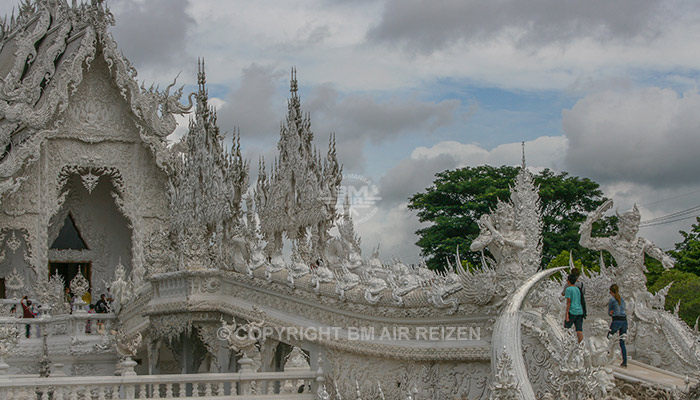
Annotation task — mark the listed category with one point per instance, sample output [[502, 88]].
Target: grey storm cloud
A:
[[359, 119], [426, 26], [254, 106], [646, 136], [411, 176], [257, 109], [153, 32]]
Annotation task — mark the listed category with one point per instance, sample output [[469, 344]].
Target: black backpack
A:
[[583, 299]]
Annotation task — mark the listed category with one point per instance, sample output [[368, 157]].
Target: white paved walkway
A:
[[640, 372]]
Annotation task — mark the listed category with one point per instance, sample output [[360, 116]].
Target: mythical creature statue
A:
[[627, 249], [403, 285], [600, 352], [122, 288], [320, 274], [345, 280], [350, 240], [402, 279], [242, 341], [257, 256], [442, 288], [276, 264], [660, 338], [498, 232], [127, 345], [374, 285], [501, 275], [297, 268]]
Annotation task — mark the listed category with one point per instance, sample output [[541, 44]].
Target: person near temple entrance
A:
[[68, 298], [109, 295], [574, 310], [88, 323], [87, 298], [27, 313], [101, 307]]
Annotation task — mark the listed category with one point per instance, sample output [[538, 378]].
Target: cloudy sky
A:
[[603, 89]]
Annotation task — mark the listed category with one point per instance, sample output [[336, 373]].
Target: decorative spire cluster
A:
[[208, 183], [298, 197], [526, 199]]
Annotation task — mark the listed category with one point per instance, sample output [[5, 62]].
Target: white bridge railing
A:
[[243, 385], [76, 325]]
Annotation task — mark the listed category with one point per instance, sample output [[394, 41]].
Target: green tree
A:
[[686, 288], [654, 271], [562, 260], [457, 198], [687, 252]]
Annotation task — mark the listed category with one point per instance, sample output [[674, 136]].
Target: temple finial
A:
[[523, 144], [293, 83], [201, 75]]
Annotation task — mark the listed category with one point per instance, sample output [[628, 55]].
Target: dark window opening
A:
[[69, 237]]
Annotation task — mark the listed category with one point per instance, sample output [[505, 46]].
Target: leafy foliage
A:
[[562, 260], [654, 271], [685, 275], [686, 288], [457, 198], [687, 252]]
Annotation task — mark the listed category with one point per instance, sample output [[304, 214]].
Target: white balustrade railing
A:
[[175, 285], [76, 324], [242, 386]]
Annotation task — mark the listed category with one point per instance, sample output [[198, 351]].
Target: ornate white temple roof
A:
[[44, 52]]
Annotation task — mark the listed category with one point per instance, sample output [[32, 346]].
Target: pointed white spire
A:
[[293, 86], [571, 260]]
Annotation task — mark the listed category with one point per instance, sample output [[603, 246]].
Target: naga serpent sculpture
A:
[[507, 340]]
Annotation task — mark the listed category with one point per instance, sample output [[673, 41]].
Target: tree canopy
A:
[[458, 198], [685, 288], [685, 276], [687, 252]]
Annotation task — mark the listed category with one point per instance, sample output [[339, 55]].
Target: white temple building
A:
[[205, 301]]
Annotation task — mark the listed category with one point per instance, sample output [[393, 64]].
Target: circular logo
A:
[[225, 332], [359, 197]]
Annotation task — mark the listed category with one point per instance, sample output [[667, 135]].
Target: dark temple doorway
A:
[[68, 271]]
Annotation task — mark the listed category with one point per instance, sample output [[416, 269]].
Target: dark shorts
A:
[[576, 320]]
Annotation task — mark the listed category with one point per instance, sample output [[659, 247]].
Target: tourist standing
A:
[[101, 307], [579, 284], [87, 299], [27, 313], [574, 310], [88, 323], [616, 309], [67, 295], [68, 298]]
